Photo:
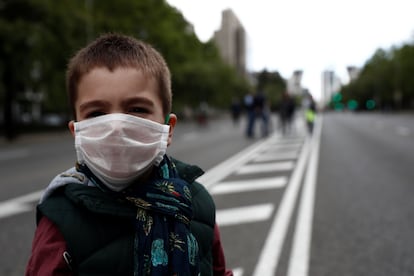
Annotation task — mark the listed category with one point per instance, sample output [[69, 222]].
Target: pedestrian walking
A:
[[286, 112], [261, 111], [310, 113], [250, 113], [235, 110]]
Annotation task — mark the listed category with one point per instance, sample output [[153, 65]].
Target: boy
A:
[[127, 208]]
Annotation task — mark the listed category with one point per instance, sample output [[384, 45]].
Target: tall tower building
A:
[[330, 85], [231, 41], [353, 72], [294, 83]]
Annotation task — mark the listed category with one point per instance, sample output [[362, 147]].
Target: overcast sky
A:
[[310, 35]]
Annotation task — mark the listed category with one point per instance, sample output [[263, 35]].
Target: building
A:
[[330, 85], [353, 72], [294, 83], [231, 41]]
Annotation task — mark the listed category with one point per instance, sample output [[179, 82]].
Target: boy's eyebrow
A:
[[93, 103], [140, 100]]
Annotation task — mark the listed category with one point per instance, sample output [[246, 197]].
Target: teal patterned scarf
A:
[[163, 243]]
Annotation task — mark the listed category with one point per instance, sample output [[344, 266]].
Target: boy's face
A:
[[124, 90]]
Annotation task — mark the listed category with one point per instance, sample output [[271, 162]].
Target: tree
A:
[[39, 36], [385, 78], [273, 85]]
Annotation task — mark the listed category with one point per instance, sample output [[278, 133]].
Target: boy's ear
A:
[[71, 127], [171, 121]]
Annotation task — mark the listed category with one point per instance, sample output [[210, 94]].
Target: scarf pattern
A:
[[163, 243]]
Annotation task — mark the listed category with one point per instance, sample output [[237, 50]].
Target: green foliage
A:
[[39, 36], [386, 80], [273, 86]]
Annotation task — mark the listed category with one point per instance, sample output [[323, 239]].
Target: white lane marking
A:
[[289, 141], [265, 157], [281, 150], [228, 187], [269, 257], [283, 147], [19, 204], [13, 154], [276, 151], [403, 131], [246, 214], [237, 271], [12, 208], [299, 258], [34, 196], [225, 168], [266, 167]]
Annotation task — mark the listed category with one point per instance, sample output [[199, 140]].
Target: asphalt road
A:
[[335, 203], [364, 211]]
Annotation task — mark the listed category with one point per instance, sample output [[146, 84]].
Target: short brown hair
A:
[[116, 50]]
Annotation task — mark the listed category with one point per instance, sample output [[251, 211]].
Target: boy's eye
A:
[[95, 114], [137, 109]]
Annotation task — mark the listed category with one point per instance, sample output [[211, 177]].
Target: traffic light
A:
[[352, 104], [337, 97], [370, 104]]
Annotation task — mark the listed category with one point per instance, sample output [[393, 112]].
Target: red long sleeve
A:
[[219, 261], [47, 252]]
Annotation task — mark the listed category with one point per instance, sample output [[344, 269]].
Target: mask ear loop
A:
[[167, 119]]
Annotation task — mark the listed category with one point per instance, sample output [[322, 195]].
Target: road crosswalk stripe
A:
[[225, 168], [271, 156], [276, 151], [287, 141], [266, 167], [248, 185], [245, 214], [19, 204], [237, 271], [12, 208], [279, 147]]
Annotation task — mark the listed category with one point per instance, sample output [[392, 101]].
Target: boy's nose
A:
[[118, 128]]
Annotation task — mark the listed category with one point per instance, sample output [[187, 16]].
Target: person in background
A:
[[310, 113], [235, 110], [261, 111], [251, 118], [286, 112], [126, 208]]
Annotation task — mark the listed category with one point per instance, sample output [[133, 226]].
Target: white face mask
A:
[[118, 148]]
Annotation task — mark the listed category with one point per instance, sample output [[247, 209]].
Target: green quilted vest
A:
[[96, 226]]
